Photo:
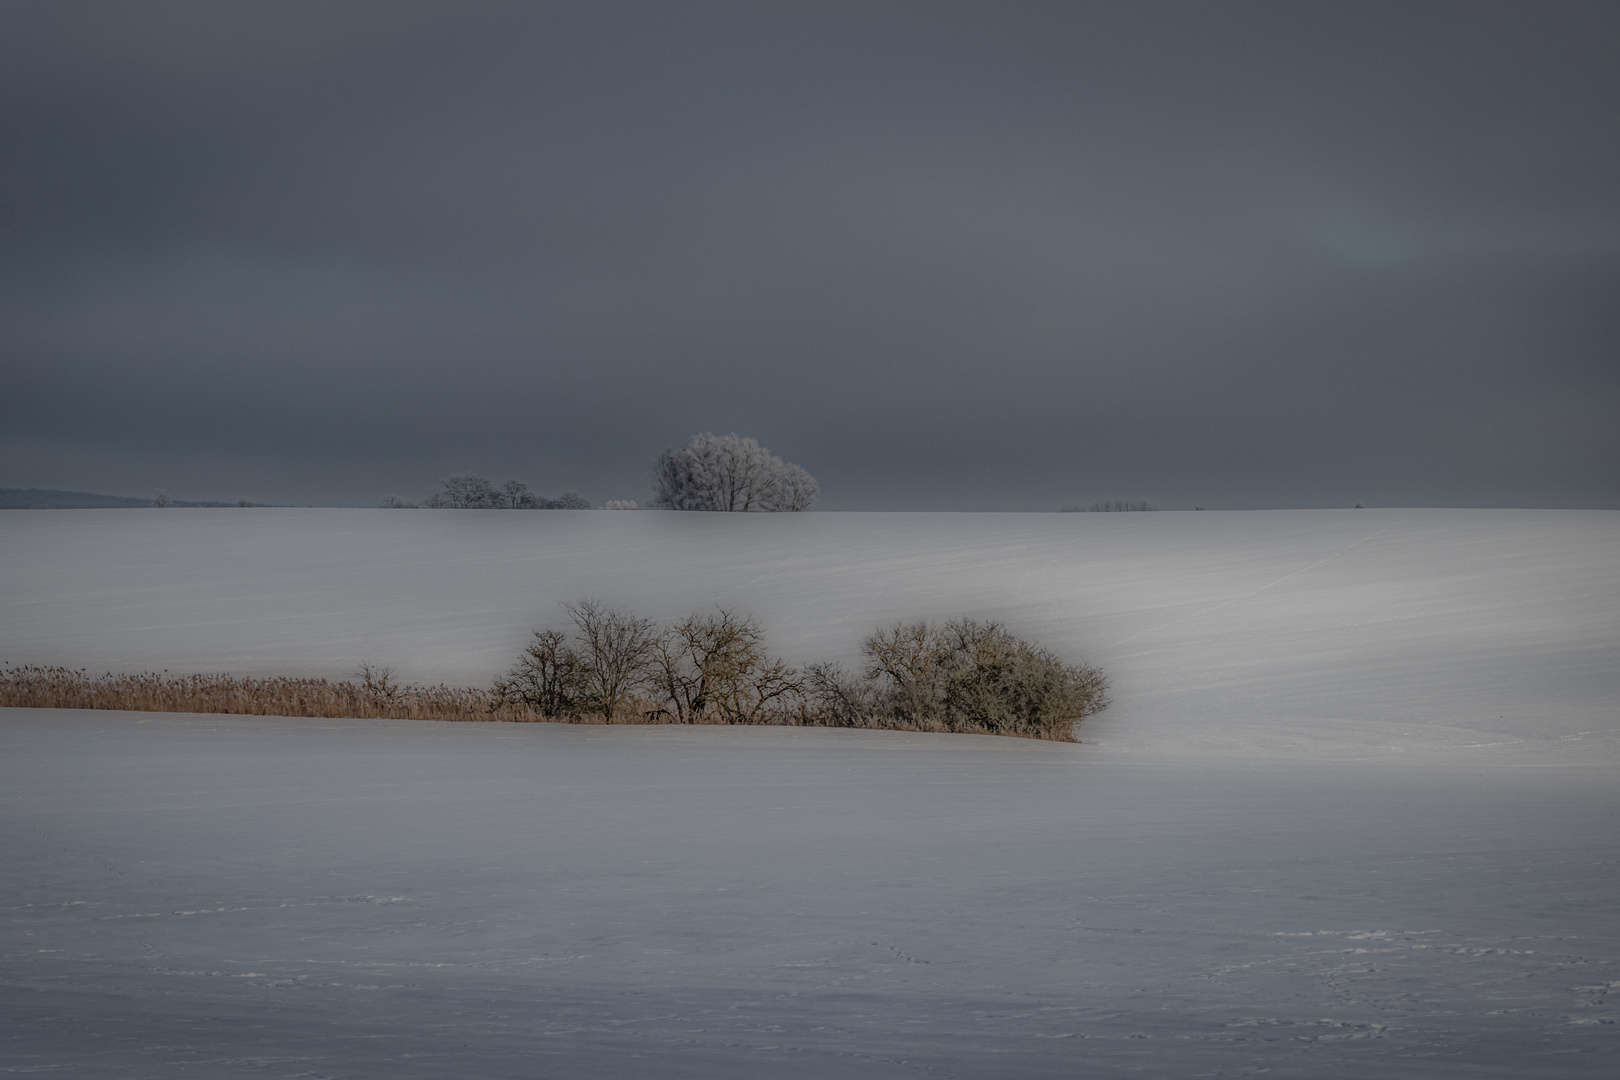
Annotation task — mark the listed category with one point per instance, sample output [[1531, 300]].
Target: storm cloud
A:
[[987, 256]]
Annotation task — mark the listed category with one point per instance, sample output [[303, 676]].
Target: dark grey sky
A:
[[983, 256]]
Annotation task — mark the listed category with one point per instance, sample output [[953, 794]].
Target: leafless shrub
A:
[[834, 698], [614, 655], [904, 665], [712, 668], [998, 683], [379, 683], [707, 668], [616, 668], [546, 678], [716, 665], [965, 676]]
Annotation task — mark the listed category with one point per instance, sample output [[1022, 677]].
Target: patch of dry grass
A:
[[40, 687], [373, 694]]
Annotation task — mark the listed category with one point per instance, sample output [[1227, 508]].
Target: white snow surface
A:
[[1338, 633], [1355, 811]]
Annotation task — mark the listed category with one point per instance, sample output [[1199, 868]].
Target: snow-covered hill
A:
[[1372, 632], [1353, 814]]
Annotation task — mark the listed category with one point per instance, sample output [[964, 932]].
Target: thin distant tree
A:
[[465, 491], [1111, 506], [161, 497]]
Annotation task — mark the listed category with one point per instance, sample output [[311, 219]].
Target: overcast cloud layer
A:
[[995, 256]]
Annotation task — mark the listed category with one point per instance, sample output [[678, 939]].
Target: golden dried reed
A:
[[376, 695], [40, 687]]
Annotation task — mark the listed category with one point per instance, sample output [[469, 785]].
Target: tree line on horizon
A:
[[726, 473]]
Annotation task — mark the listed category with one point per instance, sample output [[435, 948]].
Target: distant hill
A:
[[50, 499]]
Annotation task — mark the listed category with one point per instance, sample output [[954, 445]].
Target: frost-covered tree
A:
[[729, 472], [568, 500], [516, 495], [464, 491], [795, 490], [519, 496], [162, 498]]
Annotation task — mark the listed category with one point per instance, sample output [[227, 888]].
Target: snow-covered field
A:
[[1355, 812]]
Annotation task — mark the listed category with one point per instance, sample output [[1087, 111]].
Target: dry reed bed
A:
[[375, 695], [43, 687]]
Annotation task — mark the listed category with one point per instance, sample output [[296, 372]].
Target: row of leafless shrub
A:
[[374, 693], [712, 668], [613, 667]]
